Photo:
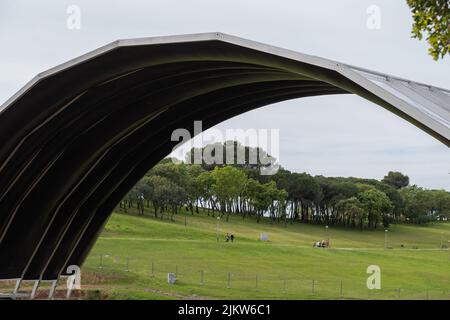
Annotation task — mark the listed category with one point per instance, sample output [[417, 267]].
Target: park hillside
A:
[[285, 197], [175, 220]]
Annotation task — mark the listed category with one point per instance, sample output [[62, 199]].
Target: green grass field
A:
[[138, 252]]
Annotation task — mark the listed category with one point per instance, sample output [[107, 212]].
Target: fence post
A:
[[229, 280]]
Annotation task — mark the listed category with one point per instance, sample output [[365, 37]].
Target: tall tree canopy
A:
[[432, 19], [240, 189], [396, 179]]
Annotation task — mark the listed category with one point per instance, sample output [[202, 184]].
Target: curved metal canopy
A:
[[77, 137]]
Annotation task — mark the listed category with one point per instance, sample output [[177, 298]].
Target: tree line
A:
[[285, 197]]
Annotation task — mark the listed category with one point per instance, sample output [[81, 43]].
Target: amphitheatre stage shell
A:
[[77, 137]]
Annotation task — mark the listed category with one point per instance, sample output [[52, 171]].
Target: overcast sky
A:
[[334, 136]]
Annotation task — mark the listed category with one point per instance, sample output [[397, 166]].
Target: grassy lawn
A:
[[285, 267]]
